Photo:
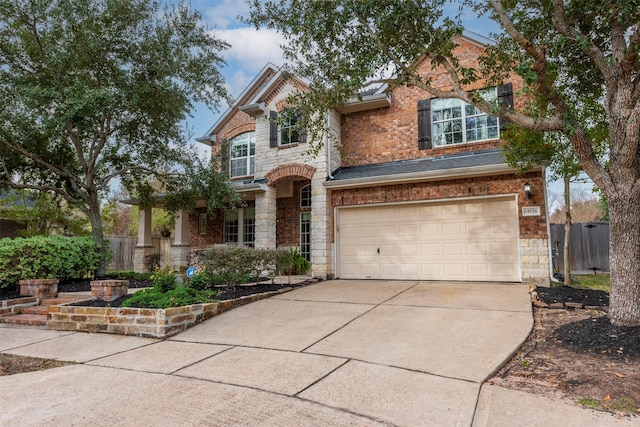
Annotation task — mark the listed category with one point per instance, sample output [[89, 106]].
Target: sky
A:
[[252, 49]]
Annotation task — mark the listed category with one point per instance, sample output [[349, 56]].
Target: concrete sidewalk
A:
[[334, 353]]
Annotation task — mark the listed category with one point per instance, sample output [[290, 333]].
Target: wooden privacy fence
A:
[[589, 246], [123, 248]]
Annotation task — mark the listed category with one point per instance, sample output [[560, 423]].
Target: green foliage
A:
[[46, 258], [202, 180], [235, 265], [43, 213], [200, 281], [95, 90], [177, 297], [292, 262], [164, 279]]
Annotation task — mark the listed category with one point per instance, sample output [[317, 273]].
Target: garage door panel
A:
[[503, 227], [467, 240], [430, 229], [452, 229], [503, 248], [430, 249]]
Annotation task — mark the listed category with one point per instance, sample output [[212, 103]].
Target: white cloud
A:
[[252, 48]]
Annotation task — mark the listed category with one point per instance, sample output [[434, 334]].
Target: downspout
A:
[[546, 209], [326, 143]]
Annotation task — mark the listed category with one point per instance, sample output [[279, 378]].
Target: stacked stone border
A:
[[15, 306], [142, 322], [562, 305]]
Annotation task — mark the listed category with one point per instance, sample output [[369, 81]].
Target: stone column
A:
[[320, 228], [266, 219], [182, 240], [144, 246]]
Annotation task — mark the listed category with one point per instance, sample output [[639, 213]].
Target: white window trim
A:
[[309, 205], [251, 139], [202, 223], [462, 119]]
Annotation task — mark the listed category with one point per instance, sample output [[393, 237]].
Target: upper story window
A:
[[289, 132], [242, 151], [286, 130], [456, 122], [450, 121], [305, 196]]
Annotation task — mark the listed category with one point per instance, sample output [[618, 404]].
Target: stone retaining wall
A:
[[142, 322], [14, 306]]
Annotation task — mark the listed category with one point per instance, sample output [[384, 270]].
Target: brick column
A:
[[266, 219], [320, 228]]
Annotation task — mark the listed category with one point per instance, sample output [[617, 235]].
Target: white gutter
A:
[[419, 176]]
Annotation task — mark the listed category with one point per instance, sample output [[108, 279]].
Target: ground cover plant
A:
[[166, 293]]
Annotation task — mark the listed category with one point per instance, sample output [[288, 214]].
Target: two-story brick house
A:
[[419, 189]]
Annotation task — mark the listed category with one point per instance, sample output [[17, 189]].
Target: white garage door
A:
[[475, 240]]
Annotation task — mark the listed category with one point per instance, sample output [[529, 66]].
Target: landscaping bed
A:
[[577, 354]]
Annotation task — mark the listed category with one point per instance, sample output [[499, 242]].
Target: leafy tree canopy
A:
[[579, 61], [95, 90]]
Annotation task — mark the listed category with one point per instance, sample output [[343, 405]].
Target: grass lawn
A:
[[599, 282]]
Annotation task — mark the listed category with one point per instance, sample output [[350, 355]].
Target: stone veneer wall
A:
[[142, 322], [534, 261]]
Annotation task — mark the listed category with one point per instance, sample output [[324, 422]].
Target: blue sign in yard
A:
[[191, 272]]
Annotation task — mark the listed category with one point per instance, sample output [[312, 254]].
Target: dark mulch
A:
[[221, 293], [82, 285], [598, 335], [595, 334], [569, 294]]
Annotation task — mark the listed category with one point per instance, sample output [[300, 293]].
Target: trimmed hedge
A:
[[42, 257]]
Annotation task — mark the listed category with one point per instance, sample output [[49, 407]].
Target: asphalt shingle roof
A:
[[429, 164]]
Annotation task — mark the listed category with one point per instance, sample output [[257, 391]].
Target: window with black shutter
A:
[[273, 129], [424, 124]]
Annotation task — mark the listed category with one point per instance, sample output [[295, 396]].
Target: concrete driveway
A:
[[335, 353]]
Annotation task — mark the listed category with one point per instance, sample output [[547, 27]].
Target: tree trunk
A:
[[624, 306], [97, 233], [567, 231]]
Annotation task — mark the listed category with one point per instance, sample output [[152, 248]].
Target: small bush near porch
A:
[[235, 265]]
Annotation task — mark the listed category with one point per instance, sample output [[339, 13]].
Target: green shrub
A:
[[180, 296], [202, 280], [165, 279], [42, 257], [230, 265], [292, 262]]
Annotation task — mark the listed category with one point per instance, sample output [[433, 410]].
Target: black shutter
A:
[[424, 124], [273, 129], [505, 95], [224, 157]]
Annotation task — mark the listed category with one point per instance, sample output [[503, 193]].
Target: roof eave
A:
[[369, 102], [442, 174]]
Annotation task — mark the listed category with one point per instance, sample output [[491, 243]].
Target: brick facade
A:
[[389, 134], [361, 138]]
